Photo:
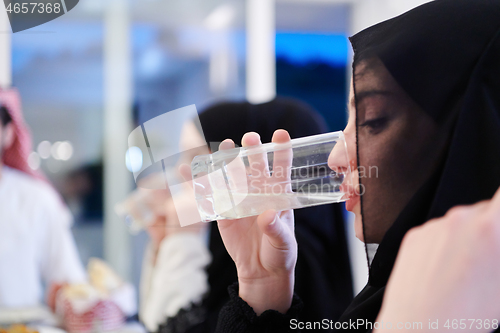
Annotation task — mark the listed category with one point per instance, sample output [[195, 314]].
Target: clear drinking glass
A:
[[243, 182]]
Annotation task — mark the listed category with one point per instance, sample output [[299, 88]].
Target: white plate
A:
[[50, 329], [10, 316]]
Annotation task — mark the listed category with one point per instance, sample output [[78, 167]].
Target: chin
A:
[[358, 222], [358, 227]]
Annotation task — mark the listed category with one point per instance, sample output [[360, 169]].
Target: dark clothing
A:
[[322, 274], [238, 316]]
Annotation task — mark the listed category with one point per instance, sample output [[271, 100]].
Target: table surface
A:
[[42, 319]]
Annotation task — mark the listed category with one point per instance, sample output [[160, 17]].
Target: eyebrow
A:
[[368, 93]]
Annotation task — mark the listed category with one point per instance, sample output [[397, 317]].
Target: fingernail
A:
[[274, 221], [226, 144]]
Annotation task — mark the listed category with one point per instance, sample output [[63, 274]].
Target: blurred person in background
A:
[[186, 271], [83, 192], [36, 244], [173, 275]]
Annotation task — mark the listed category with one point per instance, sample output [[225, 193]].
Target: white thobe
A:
[[36, 244]]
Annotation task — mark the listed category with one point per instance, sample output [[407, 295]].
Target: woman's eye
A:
[[375, 125]]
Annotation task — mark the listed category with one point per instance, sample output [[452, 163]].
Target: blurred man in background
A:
[[36, 244]]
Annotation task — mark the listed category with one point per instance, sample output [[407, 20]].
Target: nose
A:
[[342, 158], [338, 160]]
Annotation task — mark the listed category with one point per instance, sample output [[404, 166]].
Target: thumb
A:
[[272, 226], [185, 171]]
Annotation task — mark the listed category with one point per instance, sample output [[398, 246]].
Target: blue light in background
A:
[[301, 48]]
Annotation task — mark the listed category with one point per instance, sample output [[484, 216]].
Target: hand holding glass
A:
[[241, 182]]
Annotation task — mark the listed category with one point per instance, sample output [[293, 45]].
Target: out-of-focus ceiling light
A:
[[133, 159], [62, 150], [43, 149], [53, 150], [65, 150], [221, 17]]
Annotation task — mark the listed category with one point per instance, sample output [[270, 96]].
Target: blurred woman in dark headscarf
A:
[[425, 115], [323, 270]]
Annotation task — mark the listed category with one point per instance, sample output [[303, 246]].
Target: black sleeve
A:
[[186, 320], [238, 317]]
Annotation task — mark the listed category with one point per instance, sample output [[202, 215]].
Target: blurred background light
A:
[[64, 150], [133, 159], [221, 17], [44, 149], [53, 150]]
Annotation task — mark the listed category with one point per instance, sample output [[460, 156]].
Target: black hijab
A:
[[323, 276], [445, 58]]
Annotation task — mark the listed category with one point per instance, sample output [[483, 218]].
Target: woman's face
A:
[[353, 202], [191, 143], [399, 148]]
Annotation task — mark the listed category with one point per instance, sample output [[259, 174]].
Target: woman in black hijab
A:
[[425, 114], [323, 272]]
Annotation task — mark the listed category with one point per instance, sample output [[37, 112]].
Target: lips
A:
[[351, 202], [352, 196]]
